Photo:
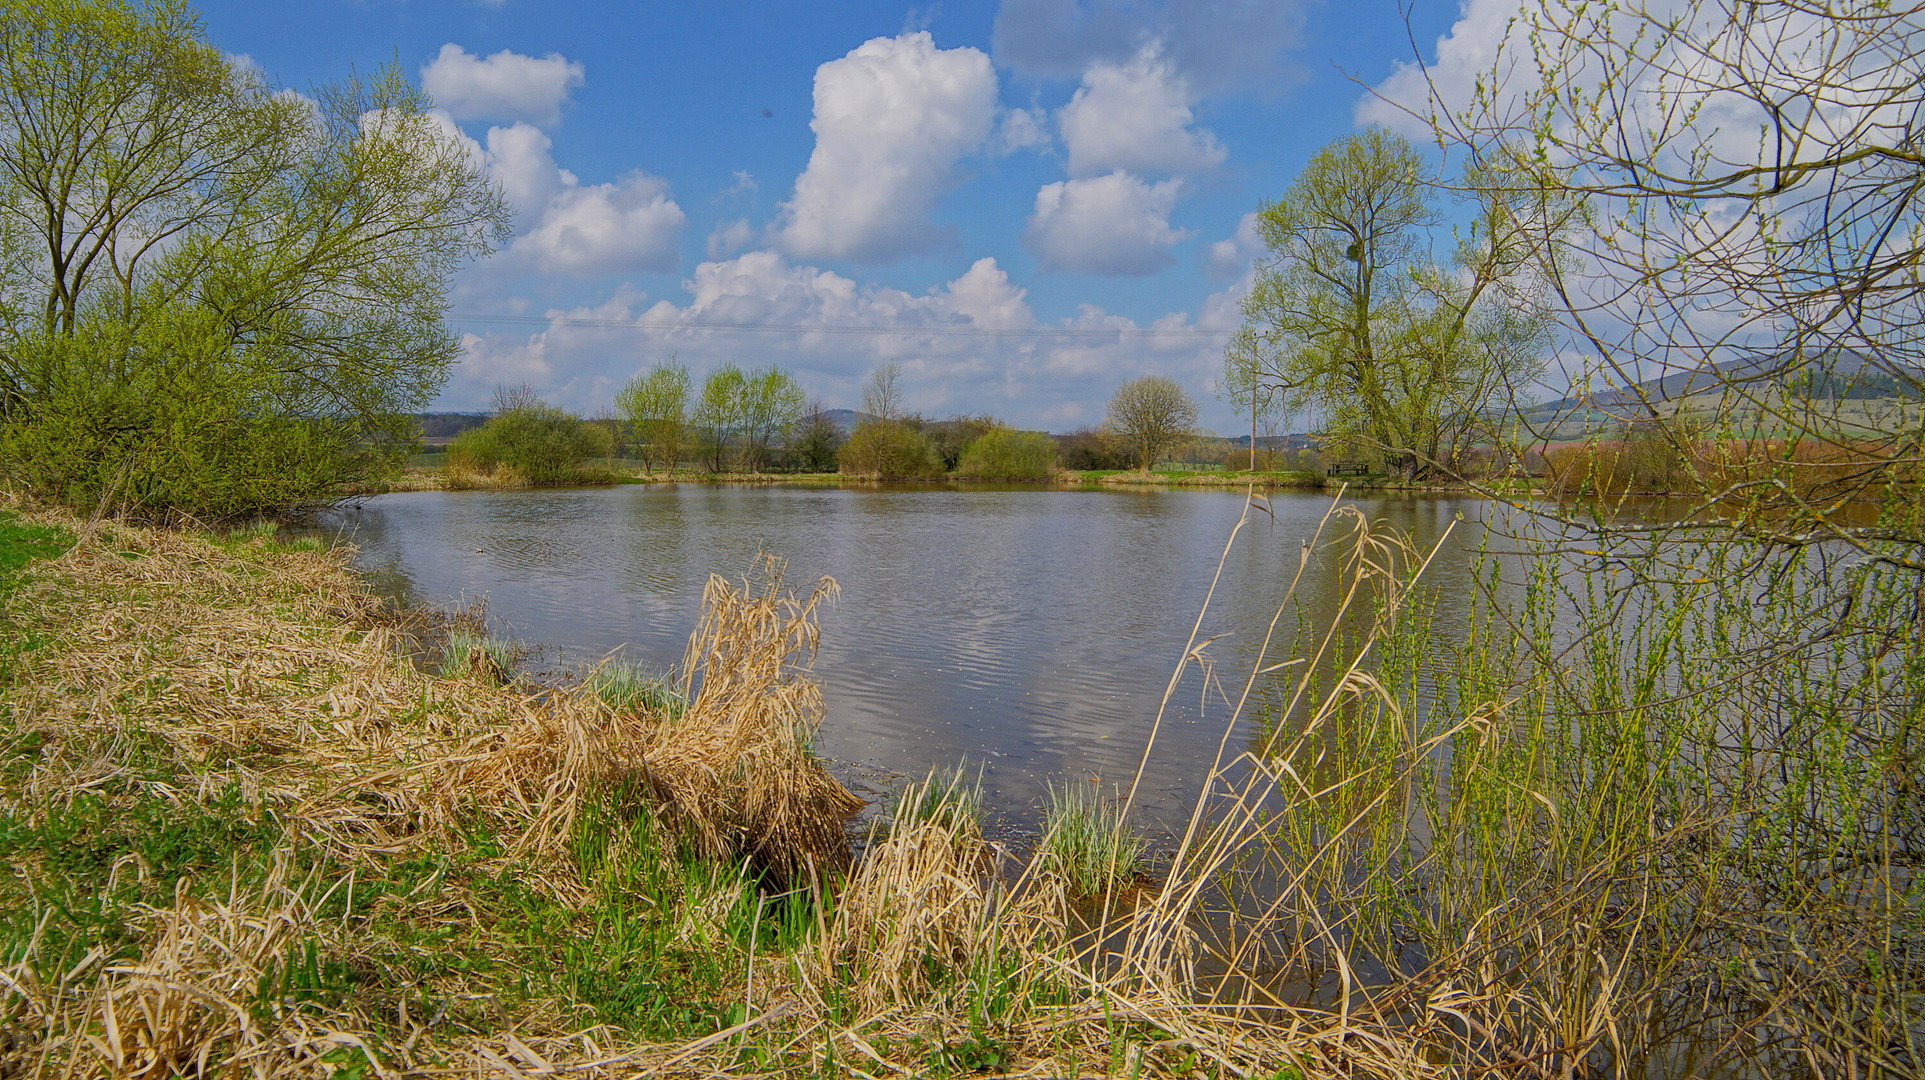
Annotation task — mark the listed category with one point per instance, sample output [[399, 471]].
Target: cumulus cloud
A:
[[1113, 225], [1135, 116], [1021, 129], [1468, 53], [504, 86], [970, 345], [631, 225], [573, 228], [729, 238], [892, 119], [1218, 45], [519, 160], [1229, 259]]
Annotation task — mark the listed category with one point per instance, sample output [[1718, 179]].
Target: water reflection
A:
[[1029, 631]]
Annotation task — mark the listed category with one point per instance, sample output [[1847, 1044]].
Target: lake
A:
[[1026, 632]]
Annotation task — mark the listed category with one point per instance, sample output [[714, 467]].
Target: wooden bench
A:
[[1347, 468]]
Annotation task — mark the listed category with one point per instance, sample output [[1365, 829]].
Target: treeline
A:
[[760, 421]]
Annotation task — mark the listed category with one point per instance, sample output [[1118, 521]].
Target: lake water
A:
[[1029, 633]]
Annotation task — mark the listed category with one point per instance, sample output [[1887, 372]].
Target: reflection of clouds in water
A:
[[1028, 631]]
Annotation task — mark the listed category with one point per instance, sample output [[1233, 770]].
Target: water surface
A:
[[1028, 632]]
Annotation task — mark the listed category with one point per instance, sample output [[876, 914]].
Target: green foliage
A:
[[816, 440], [540, 443], [950, 438], [771, 406], [626, 686], [1087, 449], [718, 413], [1351, 319], [655, 406], [214, 299], [1007, 454], [1148, 416], [889, 450]]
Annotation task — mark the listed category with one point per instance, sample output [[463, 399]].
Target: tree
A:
[[771, 406], [718, 414], [1149, 415], [816, 440], [655, 407], [1350, 319], [882, 398], [1771, 256], [214, 298]]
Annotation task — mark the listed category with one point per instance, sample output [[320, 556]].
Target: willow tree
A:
[[1351, 320], [655, 406], [217, 298]]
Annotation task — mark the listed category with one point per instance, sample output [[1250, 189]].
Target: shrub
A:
[[540, 443], [1088, 449], [1007, 454], [889, 450]]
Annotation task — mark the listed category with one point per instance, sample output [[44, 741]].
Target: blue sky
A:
[[1030, 202]]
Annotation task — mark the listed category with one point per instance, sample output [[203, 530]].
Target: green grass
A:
[[1085, 839], [21, 544], [627, 686]]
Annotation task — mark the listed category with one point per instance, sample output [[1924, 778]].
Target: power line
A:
[[781, 328]]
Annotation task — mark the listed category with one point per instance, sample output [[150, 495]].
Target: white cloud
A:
[[505, 86], [1043, 375], [1136, 117], [1021, 129], [632, 225], [1217, 45], [518, 159], [1230, 259], [730, 238], [1464, 58], [1113, 225], [892, 119]]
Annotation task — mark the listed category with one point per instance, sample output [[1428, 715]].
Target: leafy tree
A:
[[771, 406], [1149, 415], [655, 407], [214, 299], [1003, 453], [1349, 317], [719, 413]]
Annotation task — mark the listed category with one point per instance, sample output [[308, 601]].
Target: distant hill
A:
[[1844, 377], [446, 425]]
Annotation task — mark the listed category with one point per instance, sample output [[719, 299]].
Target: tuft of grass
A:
[[1085, 840], [477, 654], [946, 798], [629, 687]]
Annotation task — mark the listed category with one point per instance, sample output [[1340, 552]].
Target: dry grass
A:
[[1558, 931]]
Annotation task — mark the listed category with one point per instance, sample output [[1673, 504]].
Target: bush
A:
[[1007, 454], [889, 450], [540, 443], [1088, 449]]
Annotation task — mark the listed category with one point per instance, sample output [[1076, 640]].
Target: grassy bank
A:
[[244, 836]]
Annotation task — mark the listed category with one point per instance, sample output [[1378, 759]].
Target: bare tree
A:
[[1751, 286], [1147, 416], [882, 398]]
